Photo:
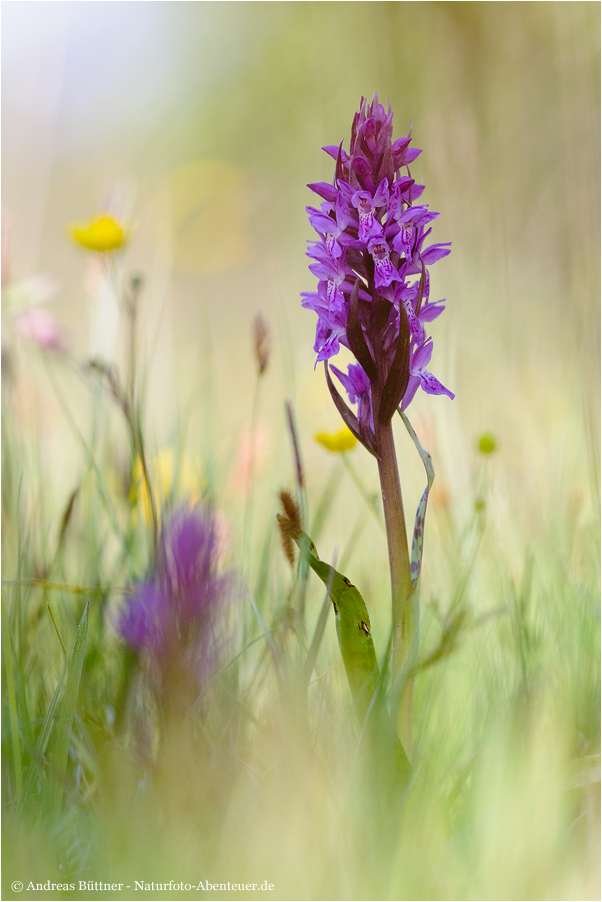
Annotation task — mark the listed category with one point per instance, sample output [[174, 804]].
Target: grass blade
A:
[[267, 633], [312, 654], [74, 672], [43, 738], [12, 702]]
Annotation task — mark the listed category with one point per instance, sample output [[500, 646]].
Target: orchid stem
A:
[[401, 580]]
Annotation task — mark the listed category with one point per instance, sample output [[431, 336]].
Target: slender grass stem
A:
[[303, 568], [369, 499], [128, 398], [67, 715], [138, 443], [132, 313], [50, 586], [12, 703], [89, 453], [329, 494], [248, 515]]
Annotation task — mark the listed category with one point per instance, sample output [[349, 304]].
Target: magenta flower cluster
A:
[[371, 261], [176, 614]]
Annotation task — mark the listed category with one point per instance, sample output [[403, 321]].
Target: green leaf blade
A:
[[63, 735], [353, 629]]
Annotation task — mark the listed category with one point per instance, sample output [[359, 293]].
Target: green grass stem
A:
[[67, 714]]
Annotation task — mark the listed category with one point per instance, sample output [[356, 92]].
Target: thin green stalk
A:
[[139, 449], [132, 313], [49, 586], [128, 398], [130, 305], [12, 702], [303, 568], [312, 654], [401, 579], [36, 766], [369, 499], [248, 515], [328, 496], [89, 455], [63, 732]]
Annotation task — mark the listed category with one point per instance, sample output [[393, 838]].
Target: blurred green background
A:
[[201, 124]]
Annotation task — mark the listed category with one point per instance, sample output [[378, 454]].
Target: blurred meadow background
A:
[[199, 125]]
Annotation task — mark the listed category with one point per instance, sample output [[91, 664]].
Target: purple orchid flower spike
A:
[[372, 265], [372, 261]]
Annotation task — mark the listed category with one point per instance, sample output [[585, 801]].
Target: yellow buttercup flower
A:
[[167, 480], [101, 234], [337, 442]]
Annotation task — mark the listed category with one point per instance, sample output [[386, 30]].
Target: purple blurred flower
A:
[[176, 614], [372, 268]]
